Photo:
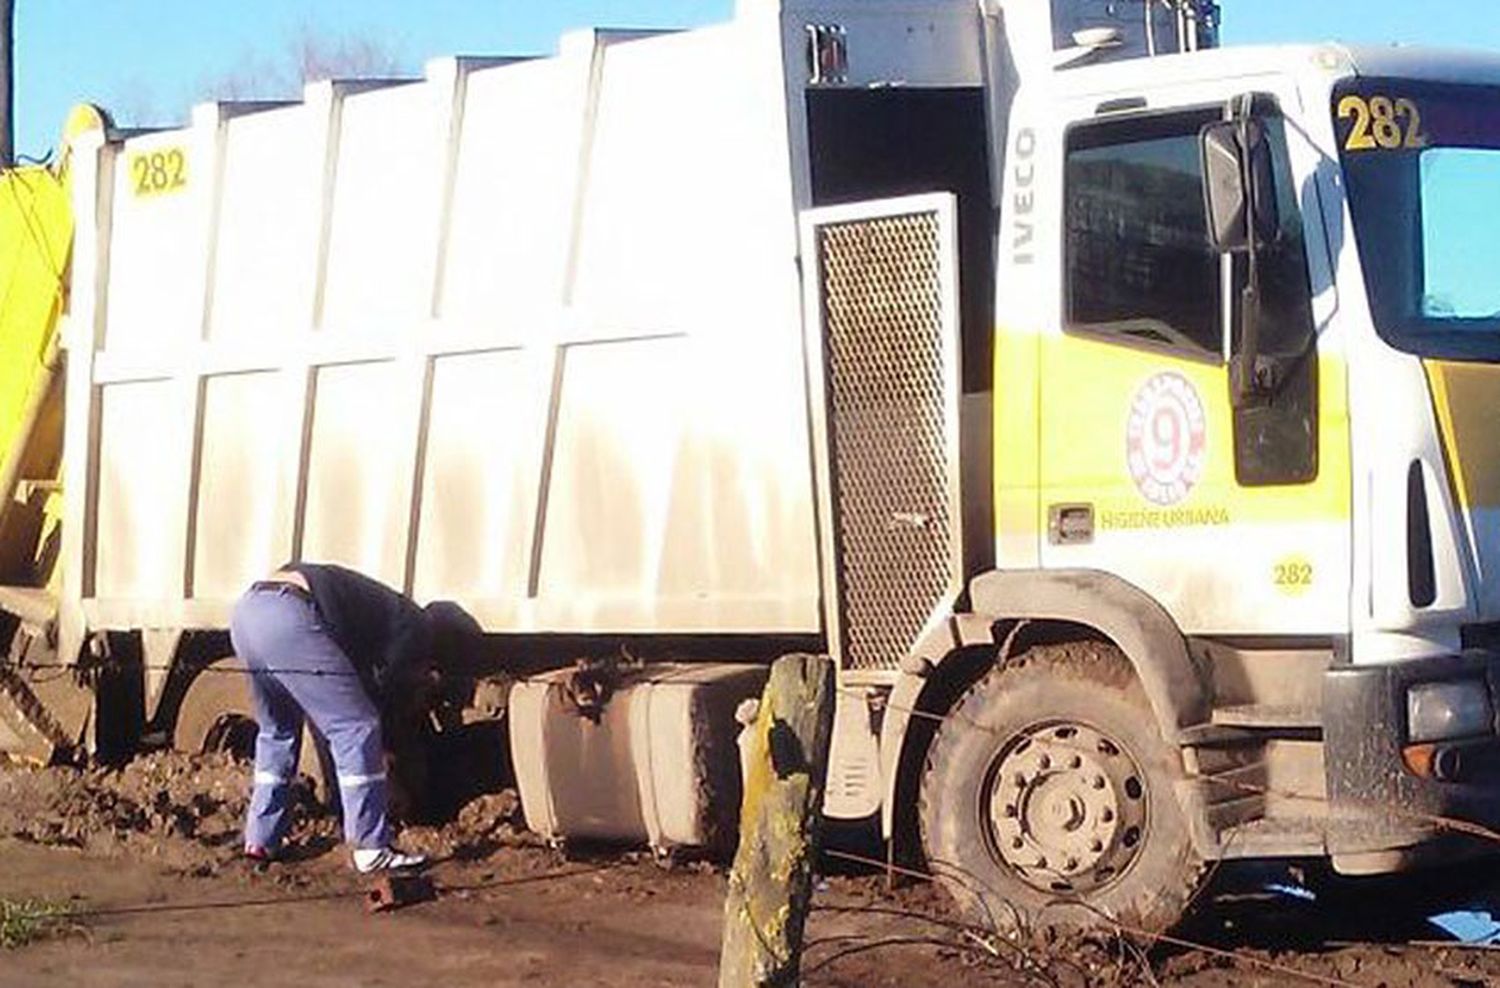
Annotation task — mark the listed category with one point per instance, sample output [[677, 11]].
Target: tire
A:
[[1049, 799], [218, 715]]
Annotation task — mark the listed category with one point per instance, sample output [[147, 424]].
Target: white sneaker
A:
[[367, 860]]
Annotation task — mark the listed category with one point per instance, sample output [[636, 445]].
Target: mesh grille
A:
[[886, 372]]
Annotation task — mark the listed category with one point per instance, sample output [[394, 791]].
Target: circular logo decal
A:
[[1165, 439]]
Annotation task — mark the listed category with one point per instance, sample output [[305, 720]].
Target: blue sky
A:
[[148, 60]]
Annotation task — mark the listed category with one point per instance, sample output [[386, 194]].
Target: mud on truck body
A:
[[1115, 408]]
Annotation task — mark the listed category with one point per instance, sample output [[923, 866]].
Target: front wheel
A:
[[1048, 798]]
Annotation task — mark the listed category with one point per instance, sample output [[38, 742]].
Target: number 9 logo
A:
[[1166, 439]]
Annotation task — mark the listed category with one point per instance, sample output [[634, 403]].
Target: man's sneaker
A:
[[368, 860]]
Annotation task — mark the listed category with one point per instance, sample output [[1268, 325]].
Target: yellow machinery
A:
[[36, 232], [36, 237]]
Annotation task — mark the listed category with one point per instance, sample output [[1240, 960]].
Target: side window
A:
[[1140, 270], [1139, 266]]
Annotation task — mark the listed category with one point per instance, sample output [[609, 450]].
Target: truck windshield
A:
[[1422, 170]]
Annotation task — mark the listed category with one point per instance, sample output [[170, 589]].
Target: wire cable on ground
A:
[[1231, 955], [150, 908], [1021, 960], [880, 944]]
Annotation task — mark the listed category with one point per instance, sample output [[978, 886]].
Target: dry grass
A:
[[27, 921]]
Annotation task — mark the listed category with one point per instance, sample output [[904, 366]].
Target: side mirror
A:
[[1239, 184], [1239, 188]]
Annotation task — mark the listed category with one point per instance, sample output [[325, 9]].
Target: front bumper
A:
[[1373, 789]]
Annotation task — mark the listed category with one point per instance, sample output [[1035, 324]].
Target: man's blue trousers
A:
[[298, 671]]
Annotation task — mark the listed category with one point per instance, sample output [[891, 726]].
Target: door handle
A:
[[1070, 524]]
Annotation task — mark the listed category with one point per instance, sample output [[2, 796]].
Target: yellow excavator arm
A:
[[36, 234], [36, 238]]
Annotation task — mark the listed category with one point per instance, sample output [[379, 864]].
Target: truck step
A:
[[1316, 836], [1269, 716], [1276, 837]]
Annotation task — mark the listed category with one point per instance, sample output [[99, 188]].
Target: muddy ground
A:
[[148, 859]]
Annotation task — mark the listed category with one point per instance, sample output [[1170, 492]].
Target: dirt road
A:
[[524, 917], [147, 858]]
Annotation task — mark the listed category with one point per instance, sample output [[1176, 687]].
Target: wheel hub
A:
[[1067, 808]]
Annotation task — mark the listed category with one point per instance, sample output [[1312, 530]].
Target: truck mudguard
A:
[[1177, 689]]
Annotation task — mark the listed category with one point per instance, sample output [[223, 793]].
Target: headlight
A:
[[1440, 711]]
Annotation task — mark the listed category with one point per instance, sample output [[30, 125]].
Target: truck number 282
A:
[[1383, 123], [159, 172], [1294, 575]]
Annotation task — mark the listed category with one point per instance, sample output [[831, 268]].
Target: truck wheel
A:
[[1048, 798], [217, 715]]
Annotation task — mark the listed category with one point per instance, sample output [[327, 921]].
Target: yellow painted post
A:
[[770, 886]]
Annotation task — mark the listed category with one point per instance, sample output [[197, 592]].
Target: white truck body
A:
[[526, 334]]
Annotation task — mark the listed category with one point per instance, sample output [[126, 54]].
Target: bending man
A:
[[327, 644]]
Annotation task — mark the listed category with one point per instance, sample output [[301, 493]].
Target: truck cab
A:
[[1269, 439]]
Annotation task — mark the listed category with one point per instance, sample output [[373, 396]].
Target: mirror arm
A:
[[1247, 381]]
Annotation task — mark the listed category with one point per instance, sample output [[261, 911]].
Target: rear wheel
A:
[[218, 715], [1049, 798]]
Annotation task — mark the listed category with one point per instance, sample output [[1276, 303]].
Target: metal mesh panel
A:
[[886, 375]]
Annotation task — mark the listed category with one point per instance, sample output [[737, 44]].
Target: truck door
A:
[[1235, 519]]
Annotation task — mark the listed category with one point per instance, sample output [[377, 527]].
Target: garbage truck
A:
[[1115, 408]]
